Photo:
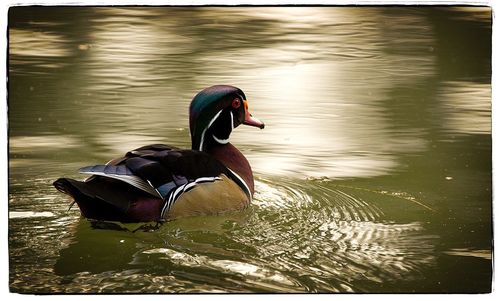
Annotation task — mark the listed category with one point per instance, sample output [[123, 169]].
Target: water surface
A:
[[373, 173]]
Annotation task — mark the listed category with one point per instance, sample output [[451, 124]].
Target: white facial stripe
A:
[[232, 120], [225, 141], [220, 141], [205, 130]]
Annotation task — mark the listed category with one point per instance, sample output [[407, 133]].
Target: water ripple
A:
[[324, 232]]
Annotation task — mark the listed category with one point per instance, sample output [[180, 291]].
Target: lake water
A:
[[373, 173]]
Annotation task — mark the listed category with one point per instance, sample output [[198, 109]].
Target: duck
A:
[[159, 182]]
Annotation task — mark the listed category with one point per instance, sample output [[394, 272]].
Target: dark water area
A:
[[373, 174]]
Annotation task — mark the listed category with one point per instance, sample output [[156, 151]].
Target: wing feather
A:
[[99, 170], [162, 171]]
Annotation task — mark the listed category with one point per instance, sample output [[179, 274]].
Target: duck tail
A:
[[102, 198], [64, 186], [91, 206]]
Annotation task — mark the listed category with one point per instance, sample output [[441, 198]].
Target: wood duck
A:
[[160, 182]]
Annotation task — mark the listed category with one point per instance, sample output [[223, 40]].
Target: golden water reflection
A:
[[467, 107]]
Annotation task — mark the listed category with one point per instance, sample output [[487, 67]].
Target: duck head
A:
[[215, 112]]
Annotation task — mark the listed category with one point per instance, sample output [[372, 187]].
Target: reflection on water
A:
[[317, 74], [52, 44], [466, 101], [373, 172]]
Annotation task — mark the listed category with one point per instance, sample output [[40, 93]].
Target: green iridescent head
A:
[[215, 112]]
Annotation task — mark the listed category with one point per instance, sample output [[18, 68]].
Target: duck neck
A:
[[232, 158]]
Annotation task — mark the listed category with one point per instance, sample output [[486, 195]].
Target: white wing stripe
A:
[[175, 194], [129, 179], [207, 179], [248, 192]]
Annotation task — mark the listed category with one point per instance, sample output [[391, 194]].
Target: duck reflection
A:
[[94, 251], [99, 246]]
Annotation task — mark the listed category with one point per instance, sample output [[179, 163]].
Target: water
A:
[[373, 173]]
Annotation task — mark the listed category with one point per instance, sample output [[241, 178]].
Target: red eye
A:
[[236, 103]]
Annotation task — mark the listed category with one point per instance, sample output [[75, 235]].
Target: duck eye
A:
[[236, 103]]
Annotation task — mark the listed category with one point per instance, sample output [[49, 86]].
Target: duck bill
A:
[[252, 121]]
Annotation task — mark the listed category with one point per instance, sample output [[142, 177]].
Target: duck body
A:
[[160, 182]]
